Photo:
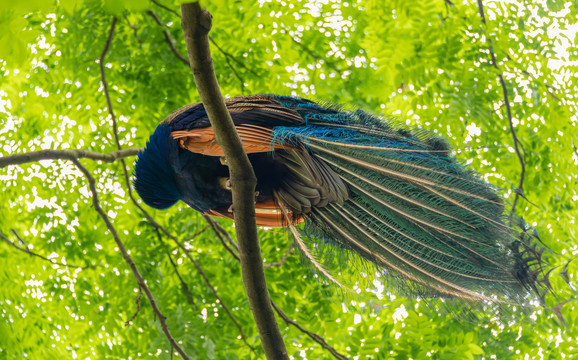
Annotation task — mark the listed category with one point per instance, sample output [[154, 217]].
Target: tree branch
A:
[[130, 193], [313, 55], [318, 339], [134, 29], [283, 259], [217, 230], [137, 302], [217, 227], [168, 37], [184, 285], [103, 79], [128, 259], [508, 110], [229, 56], [26, 250], [187, 253], [208, 282], [34, 156], [166, 8], [551, 90], [196, 25], [220, 231]]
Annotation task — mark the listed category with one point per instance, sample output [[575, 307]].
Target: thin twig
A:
[[128, 259], [283, 259], [317, 338], [173, 47], [509, 112], [184, 285], [227, 55], [216, 229], [166, 8], [216, 226], [313, 55], [134, 28], [231, 251], [197, 266], [19, 238], [168, 38], [137, 301], [208, 282], [241, 81], [197, 233], [35, 156], [26, 250], [549, 88], [103, 79], [230, 56]]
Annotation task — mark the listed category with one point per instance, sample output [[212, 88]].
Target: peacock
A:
[[392, 195]]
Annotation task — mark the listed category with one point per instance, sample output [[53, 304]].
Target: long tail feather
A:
[[433, 225], [301, 245]]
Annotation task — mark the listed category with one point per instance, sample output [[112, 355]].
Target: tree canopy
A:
[[88, 81]]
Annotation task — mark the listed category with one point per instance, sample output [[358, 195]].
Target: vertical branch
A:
[[103, 79], [196, 25], [128, 259], [508, 110]]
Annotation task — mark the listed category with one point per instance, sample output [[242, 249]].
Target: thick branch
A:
[[509, 112], [35, 156], [220, 232], [128, 259], [196, 25]]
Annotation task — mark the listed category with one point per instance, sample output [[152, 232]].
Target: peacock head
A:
[[154, 175]]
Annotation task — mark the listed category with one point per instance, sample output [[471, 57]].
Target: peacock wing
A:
[[261, 110]]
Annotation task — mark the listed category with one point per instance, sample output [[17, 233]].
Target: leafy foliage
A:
[[427, 63]]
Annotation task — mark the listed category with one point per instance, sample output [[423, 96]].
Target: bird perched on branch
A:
[[394, 196]]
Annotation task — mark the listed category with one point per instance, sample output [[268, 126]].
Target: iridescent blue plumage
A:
[[155, 178]]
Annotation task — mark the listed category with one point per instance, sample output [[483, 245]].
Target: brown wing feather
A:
[[309, 182], [255, 139], [265, 216]]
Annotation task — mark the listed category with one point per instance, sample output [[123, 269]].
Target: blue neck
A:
[[154, 175]]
